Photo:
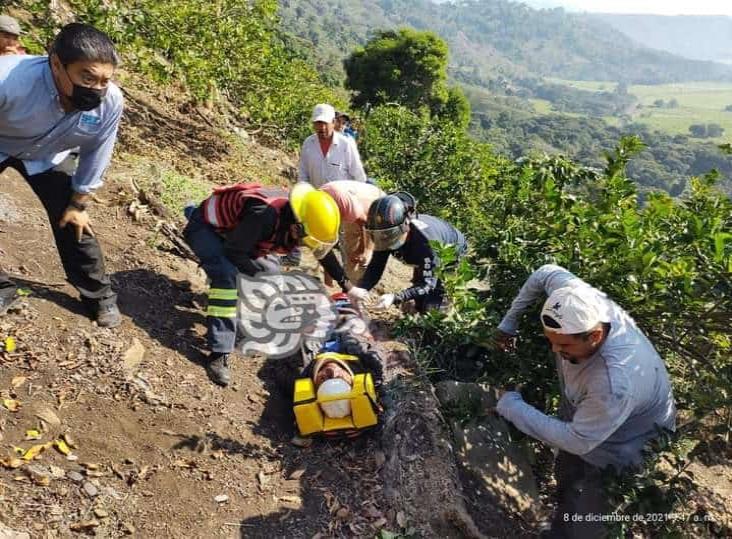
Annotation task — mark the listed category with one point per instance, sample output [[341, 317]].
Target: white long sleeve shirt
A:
[[615, 400], [342, 162]]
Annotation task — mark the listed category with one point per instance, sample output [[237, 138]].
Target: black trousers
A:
[[82, 260], [581, 500]]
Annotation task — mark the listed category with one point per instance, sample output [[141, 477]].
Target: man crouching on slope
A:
[[615, 391], [51, 106], [235, 230]]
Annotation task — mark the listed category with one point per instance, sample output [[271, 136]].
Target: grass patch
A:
[[178, 190], [698, 103], [542, 106], [171, 188], [587, 85]]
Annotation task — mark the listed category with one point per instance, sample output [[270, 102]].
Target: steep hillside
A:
[[691, 36], [157, 449]]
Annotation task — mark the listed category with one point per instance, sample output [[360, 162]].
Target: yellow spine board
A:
[[310, 418]]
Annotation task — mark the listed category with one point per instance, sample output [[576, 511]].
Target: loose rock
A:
[[46, 414], [84, 525], [90, 489], [298, 441], [8, 533], [133, 356]]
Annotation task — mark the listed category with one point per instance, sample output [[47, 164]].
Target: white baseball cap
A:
[[323, 113], [574, 309], [9, 25]]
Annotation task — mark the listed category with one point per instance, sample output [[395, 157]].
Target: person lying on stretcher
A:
[[336, 393]]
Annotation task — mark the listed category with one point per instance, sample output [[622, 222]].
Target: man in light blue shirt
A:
[[51, 106], [616, 394]]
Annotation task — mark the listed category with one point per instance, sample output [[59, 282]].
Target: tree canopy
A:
[[404, 66], [407, 67]]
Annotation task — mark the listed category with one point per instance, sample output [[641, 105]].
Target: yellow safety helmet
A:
[[318, 213]]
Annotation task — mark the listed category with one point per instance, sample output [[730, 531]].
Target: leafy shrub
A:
[[228, 48], [408, 68], [404, 66], [667, 261]]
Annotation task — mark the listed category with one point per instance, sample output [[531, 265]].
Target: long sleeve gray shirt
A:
[[613, 402]]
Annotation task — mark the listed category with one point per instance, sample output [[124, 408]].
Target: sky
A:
[[659, 7]]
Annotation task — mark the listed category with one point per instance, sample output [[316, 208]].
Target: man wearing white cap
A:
[[327, 155], [9, 36], [615, 392]]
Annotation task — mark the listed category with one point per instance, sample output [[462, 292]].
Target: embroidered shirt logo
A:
[[89, 123]]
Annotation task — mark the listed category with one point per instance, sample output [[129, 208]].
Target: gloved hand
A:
[[385, 301], [358, 295]]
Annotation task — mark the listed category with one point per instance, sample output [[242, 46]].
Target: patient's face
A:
[[331, 369]]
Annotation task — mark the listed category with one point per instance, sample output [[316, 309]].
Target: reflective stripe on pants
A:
[[222, 302], [222, 297]]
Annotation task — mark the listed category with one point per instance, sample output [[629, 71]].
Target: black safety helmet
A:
[[410, 203], [388, 223]]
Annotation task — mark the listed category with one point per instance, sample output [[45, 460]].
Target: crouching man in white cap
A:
[[615, 393]]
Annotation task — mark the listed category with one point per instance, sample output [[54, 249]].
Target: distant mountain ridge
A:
[[493, 41], [698, 37]]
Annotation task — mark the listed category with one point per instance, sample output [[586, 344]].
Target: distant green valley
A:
[[548, 80]]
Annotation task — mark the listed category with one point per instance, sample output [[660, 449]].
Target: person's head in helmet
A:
[[388, 221], [333, 377], [317, 216], [410, 203]]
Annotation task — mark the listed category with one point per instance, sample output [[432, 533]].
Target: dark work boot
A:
[[218, 368], [108, 316]]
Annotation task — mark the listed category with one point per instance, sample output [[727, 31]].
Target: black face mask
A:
[[83, 97]]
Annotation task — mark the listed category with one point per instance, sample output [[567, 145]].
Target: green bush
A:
[[667, 261], [225, 48], [436, 161], [405, 66]]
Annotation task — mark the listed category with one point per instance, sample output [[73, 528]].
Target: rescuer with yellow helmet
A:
[[235, 230]]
